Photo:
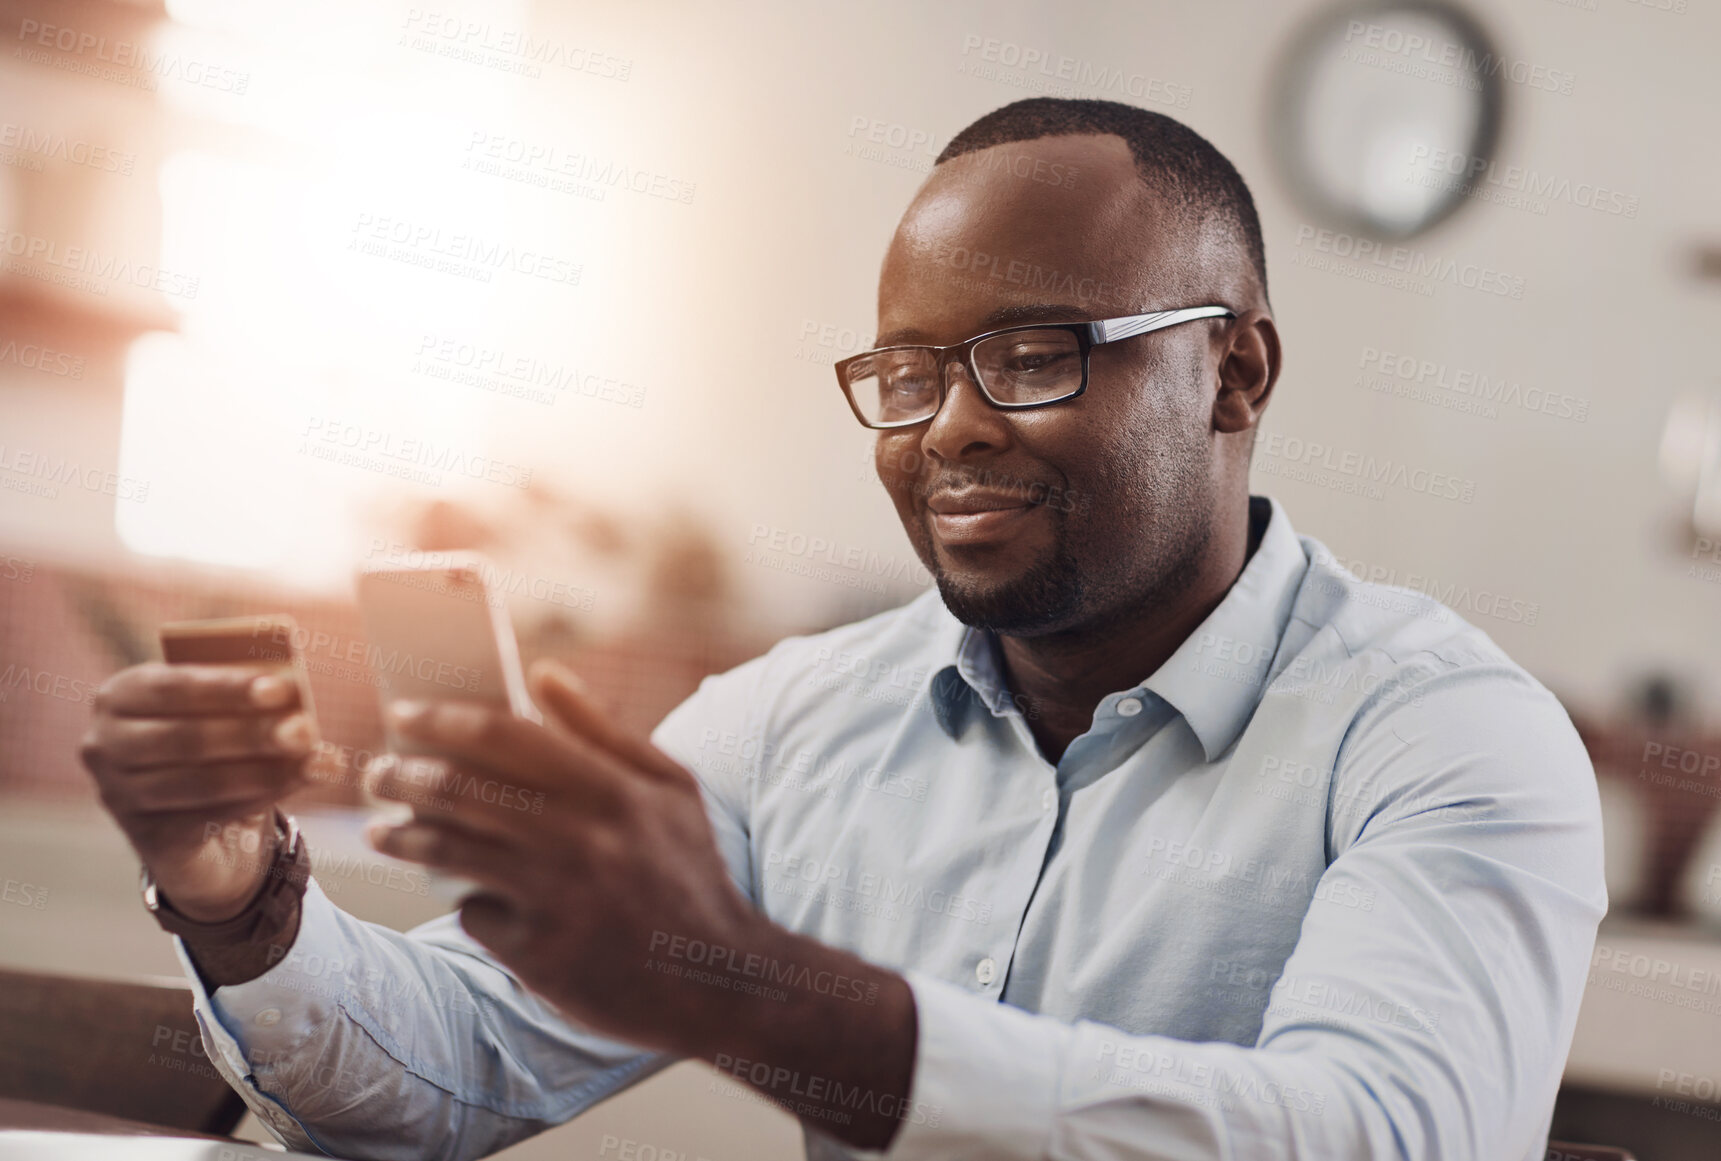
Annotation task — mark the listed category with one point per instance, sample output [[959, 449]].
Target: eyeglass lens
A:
[[1031, 366]]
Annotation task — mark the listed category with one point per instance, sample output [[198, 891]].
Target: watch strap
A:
[[270, 911]]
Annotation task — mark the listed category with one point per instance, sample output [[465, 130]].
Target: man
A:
[[1153, 834]]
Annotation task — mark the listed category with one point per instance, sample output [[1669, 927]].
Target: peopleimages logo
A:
[[454, 252], [35, 357], [318, 644], [1451, 596], [46, 684], [1359, 466], [424, 570], [734, 962], [540, 163], [124, 61], [1366, 252], [42, 474], [22, 894], [1367, 42], [38, 146], [355, 445], [103, 270], [892, 135], [826, 342], [1430, 380], [1135, 1065], [832, 883], [518, 374], [825, 1098], [508, 49], [1470, 174], [1705, 559], [977, 268], [827, 559], [1054, 74]]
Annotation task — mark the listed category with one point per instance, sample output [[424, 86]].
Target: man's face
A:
[[1068, 515]]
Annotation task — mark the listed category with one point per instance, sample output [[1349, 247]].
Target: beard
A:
[[1045, 596], [1055, 592], [1101, 566]]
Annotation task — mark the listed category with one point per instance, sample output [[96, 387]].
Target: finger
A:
[[524, 754], [564, 696], [215, 787], [440, 792], [156, 689], [497, 866], [493, 922], [143, 743]]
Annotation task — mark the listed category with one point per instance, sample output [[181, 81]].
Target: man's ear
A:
[[1248, 368]]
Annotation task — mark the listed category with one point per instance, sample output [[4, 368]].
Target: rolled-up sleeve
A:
[[364, 1042], [1425, 1012]]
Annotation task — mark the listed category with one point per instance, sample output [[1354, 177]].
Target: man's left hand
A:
[[598, 873], [591, 850]]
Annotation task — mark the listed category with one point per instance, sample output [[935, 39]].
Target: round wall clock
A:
[[1385, 114]]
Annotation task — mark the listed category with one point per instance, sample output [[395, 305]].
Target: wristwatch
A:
[[283, 888]]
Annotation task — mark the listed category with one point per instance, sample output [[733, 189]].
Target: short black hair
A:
[[1175, 162]]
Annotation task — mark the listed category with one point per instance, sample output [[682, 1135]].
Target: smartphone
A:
[[439, 631], [258, 640]]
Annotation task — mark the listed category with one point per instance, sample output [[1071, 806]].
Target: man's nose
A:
[[966, 424]]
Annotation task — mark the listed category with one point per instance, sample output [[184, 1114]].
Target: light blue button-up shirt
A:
[[1325, 885]]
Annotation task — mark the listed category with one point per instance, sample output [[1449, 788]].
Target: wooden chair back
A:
[[1565, 1151], [127, 1049]]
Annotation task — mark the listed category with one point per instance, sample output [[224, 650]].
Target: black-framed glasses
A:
[[1016, 368]]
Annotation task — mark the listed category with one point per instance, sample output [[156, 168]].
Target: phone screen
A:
[[436, 633], [440, 632]]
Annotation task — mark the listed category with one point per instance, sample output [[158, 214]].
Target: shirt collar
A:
[[1215, 679]]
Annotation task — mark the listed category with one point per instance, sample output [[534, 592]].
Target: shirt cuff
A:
[[248, 1028], [986, 1078]]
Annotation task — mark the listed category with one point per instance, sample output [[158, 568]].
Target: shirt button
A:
[[985, 970], [1049, 800], [1129, 706]]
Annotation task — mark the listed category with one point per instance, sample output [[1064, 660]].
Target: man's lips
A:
[[972, 517], [969, 502]]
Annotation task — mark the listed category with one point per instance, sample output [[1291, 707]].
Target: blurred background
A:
[[289, 289]]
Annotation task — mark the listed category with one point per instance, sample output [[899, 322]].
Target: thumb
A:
[[564, 697], [569, 703]]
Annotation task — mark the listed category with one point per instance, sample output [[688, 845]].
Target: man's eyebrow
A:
[[1030, 312], [1004, 316]]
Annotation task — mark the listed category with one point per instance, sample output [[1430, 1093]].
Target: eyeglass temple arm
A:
[[1112, 329]]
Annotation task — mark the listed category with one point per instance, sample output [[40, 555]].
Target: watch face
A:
[[1386, 114]]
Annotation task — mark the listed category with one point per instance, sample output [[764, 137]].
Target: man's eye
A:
[[1028, 358], [908, 385]]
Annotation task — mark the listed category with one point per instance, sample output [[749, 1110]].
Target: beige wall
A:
[[1566, 515], [703, 305]]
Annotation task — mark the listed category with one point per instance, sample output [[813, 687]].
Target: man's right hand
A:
[[191, 760]]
